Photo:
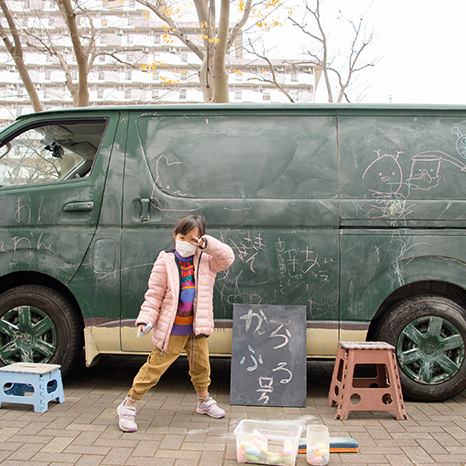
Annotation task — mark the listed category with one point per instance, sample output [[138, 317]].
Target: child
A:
[[178, 305]]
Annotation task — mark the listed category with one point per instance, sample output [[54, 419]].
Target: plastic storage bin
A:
[[267, 442], [317, 444]]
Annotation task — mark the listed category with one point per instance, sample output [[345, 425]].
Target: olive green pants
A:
[[158, 362]]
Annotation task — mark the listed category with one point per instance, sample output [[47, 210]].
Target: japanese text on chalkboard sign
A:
[[269, 355]]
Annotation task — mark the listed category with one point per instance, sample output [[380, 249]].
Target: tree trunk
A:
[[204, 78], [219, 74], [28, 84], [16, 52], [81, 58], [328, 85], [202, 10]]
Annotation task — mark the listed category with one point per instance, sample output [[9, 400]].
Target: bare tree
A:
[[15, 49], [84, 42], [321, 54], [36, 35], [273, 75], [217, 37]]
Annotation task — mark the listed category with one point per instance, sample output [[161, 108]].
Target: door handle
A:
[[83, 206], [145, 216]]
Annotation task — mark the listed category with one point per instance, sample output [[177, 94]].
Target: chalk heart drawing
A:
[[163, 172], [384, 175]]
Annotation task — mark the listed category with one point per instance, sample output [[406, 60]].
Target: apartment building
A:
[[135, 61]]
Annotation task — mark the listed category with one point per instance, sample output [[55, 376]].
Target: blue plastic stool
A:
[[30, 383]]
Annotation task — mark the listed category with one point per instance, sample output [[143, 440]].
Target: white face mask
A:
[[184, 248]]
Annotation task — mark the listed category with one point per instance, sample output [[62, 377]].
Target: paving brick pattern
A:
[[84, 430]]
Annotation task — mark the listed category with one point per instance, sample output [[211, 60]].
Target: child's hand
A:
[[200, 242], [144, 329]]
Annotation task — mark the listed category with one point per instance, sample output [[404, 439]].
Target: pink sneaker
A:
[[127, 415], [209, 406]]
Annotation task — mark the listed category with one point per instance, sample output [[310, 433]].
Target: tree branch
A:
[[322, 58], [240, 24], [173, 28], [274, 80]]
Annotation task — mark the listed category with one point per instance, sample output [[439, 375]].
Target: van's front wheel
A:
[[37, 324], [429, 334]]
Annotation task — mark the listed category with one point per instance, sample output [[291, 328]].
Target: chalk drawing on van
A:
[[25, 243], [161, 164], [460, 141], [425, 169], [246, 206], [184, 205], [390, 187], [402, 252], [384, 179], [244, 298], [298, 268], [23, 212], [424, 174], [237, 296], [248, 248], [290, 267], [384, 176]]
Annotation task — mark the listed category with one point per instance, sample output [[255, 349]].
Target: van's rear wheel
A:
[[37, 324], [429, 334]]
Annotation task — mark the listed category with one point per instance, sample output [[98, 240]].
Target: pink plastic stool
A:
[[379, 393]]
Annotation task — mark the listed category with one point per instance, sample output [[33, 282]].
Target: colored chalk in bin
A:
[[267, 442], [318, 445]]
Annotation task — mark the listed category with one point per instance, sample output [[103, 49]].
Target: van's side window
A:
[[242, 156], [50, 152]]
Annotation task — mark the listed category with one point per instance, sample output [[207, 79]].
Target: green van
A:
[[356, 211]]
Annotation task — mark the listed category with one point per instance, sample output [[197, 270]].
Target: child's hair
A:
[[189, 222]]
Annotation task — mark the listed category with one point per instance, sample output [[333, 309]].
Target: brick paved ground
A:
[[84, 430]]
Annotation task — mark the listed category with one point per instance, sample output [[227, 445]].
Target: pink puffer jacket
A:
[[161, 299]]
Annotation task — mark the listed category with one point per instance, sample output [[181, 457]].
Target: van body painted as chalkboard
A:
[[355, 211]]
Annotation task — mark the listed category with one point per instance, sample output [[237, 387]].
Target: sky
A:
[[425, 44], [422, 48]]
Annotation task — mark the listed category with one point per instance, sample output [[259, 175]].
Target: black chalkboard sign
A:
[[268, 357]]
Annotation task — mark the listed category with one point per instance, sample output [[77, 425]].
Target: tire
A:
[[429, 334], [37, 324]]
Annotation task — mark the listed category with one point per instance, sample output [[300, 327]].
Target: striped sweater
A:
[[184, 319]]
